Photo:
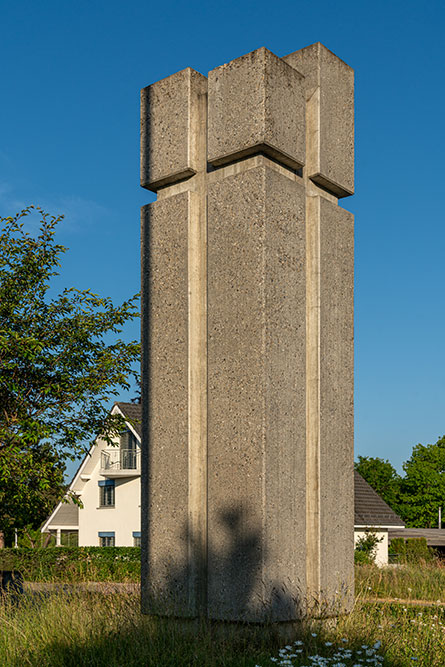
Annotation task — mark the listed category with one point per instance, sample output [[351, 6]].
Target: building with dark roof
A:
[[371, 512], [370, 509]]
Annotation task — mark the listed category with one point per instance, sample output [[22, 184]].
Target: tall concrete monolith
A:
[[247, 335]]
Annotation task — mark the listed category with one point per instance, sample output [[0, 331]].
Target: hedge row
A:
[[74, 563], [410, 550]]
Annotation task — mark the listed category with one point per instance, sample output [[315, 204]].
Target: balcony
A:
[[118, 462]]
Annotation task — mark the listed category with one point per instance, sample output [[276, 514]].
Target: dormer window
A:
[[124, 458], [128, 453]]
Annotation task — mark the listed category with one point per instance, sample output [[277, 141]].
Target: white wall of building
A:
[[123, 519], [382, 547]]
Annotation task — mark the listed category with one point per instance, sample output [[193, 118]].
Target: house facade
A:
[[108, 484]]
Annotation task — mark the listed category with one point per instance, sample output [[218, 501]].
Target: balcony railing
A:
[[120, 462]]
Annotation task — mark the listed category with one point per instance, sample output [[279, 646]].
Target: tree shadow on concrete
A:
[[225, 581]]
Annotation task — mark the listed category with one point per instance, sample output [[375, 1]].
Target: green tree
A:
[[58, 370], [422, 489], [382, 476], [25, 501]]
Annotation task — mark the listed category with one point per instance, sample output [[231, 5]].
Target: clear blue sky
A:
[[69, 126]]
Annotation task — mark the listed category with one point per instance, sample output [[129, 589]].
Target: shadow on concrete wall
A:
[[225, 583]]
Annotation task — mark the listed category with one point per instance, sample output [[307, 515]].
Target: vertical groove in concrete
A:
[[145, 365], [313, 130], [313, 397], [264, 316], [313, 541], [197, 368]]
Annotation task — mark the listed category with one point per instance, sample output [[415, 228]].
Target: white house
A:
[[108, 484], [371, 512]]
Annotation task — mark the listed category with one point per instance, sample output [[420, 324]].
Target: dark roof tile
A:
[[132, 411], [369, 508]]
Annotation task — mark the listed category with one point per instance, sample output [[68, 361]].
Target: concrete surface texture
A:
[[247, 336]]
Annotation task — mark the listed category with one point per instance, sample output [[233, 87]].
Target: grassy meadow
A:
[[82, 627], [425, 581]]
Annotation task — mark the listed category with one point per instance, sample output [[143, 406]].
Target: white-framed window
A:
[[106, 493], [106, 539], [136, 538]]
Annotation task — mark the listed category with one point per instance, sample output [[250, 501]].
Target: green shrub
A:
[[410, 550], [74, 563], [361, 558], [397, 550], [366, 547], [417, 550]]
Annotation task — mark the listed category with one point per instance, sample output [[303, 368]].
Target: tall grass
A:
[[80, 627], [96, 629], [425, 581]]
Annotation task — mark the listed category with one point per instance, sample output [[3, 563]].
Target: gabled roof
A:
[[132, 411], [65, 515], [370, 509]]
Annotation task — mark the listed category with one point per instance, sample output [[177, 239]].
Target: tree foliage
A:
[[417, 495], [58, 368], [422, 489], [32, 486]]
